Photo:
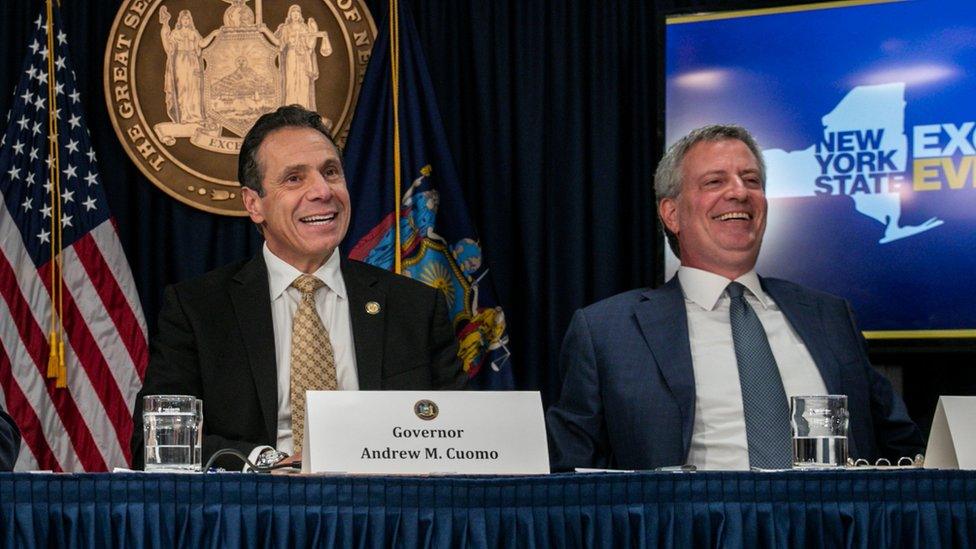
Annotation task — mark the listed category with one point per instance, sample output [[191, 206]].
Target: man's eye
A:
[[294, 178], [331, 171]]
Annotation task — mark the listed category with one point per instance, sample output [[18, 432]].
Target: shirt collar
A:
[[706, 288], [281, 274]]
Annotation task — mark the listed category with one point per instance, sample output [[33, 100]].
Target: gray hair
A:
[[667, 176]]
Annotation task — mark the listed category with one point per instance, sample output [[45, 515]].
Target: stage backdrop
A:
[[550, 111]]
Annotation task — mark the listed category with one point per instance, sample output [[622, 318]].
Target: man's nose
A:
[[737, 190], [319, 188]]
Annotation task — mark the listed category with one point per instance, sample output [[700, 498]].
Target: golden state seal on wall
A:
[[186, 79]]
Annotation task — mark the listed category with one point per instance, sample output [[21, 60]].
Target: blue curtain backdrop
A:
[[551, 109]]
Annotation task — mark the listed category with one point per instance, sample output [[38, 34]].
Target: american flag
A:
[[87, 425]]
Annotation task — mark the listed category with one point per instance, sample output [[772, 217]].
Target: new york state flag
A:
[[438, 242]]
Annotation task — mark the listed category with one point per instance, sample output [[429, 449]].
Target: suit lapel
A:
[[664, 324], [367, 328], [252, 307], [805, 316]]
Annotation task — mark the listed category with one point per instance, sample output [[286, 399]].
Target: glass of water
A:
[[820, 424], [173, 433]]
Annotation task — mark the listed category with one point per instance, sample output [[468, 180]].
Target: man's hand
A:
[[288, 470]]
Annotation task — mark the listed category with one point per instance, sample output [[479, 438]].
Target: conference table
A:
[[843, 508]]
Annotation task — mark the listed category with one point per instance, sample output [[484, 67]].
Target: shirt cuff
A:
[[253, 456]]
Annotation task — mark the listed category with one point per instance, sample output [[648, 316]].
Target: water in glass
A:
[[819, 451], [820, 424], [171, 441], [172, 429]]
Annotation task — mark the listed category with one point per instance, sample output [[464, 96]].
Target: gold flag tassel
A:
[[56, 367], [394, 18]]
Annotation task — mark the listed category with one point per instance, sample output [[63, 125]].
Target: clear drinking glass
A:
[[820, 424], [173, 433]]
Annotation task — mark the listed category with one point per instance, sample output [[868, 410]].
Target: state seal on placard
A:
[[426, 409], [185, 80]]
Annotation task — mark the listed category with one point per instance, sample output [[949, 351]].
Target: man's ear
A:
[[667, 209], [253, 205]]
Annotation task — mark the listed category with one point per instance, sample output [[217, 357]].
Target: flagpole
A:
[[56, 366], [394, 18]]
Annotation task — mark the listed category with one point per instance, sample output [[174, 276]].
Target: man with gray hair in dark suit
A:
[[700, 370]]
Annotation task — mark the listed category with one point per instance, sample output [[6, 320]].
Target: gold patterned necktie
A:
[[312, 360]]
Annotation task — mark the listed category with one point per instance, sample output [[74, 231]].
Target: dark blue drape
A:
[[792, 509]]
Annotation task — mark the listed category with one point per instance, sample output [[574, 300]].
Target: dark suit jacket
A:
[[9, 442], [216, 340], [628, 398]]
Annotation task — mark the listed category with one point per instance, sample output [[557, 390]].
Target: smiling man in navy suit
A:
[[700, 370]]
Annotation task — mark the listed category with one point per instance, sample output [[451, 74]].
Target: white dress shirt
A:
[[332, 305], [718, 440]]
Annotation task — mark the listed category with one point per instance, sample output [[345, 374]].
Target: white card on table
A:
[[952, 440], [420, 432]]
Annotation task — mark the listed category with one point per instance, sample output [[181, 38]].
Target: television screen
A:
[[866, 114]]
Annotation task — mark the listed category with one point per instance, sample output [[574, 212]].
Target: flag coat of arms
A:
[[72, 334], [438, 244]]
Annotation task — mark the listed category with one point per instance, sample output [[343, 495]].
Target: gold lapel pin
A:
[[372, 307]]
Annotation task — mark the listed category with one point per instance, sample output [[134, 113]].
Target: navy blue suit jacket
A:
[[628, 397]]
